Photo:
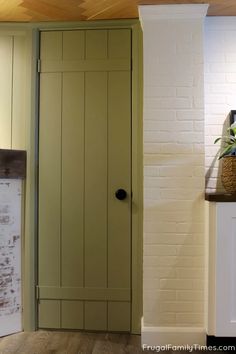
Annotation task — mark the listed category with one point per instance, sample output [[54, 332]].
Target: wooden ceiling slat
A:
[[112, 10], [72, 10], [223, 8], [119, 10], [49, 10], [91, 8], [9, 10]]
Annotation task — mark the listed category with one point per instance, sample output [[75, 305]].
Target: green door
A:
[[84, 246]]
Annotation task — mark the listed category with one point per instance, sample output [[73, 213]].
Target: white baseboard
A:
[[156, 336]]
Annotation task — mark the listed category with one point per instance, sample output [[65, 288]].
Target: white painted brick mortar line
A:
[[220, 88], [173, 173]]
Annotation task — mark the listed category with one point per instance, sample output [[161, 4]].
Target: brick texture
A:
[[174, 178], [220, 90]]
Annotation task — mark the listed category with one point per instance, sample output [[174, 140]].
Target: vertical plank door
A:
[[84, 262]]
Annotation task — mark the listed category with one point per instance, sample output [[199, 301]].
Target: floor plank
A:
[[12, 343], [55, 342]]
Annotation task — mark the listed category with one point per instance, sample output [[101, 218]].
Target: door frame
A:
[[31, 201]]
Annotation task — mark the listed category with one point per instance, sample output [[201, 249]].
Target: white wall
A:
[[12, 90], [174, 167], [220, 88]]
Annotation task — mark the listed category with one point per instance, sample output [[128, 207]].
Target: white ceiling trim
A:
[[181, 11]]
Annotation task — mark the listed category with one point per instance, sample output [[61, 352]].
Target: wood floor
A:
[[49, 342], [55, 342]]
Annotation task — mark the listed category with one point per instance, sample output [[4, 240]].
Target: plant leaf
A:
[[231, 131], [226, 151], [234, 130], [216, 141]]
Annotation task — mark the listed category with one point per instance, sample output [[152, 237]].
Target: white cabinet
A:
[[222, 269]]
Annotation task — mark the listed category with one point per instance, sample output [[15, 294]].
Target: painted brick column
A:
[[174, 179]]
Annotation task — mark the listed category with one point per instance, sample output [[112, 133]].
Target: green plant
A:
[[229, 141]]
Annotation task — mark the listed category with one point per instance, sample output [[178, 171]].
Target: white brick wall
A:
[[173, 173], [220, 89]]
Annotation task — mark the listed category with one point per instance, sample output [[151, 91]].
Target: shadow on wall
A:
[[217, 164], [175, 292]]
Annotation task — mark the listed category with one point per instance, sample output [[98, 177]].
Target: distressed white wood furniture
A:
[[12, 170], [222, 266]]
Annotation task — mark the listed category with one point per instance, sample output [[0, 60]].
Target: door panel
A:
[[72, 184], [72, 314], [73, 45], [119, 161], [95, 207], [50, 179], [96, 44], [84, 157], [51, 45], [49, 314], [96, 315], [119, 316]]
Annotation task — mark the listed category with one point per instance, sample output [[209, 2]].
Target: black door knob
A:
[[121, 194]]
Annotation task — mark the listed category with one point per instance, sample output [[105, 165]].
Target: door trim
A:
[[30, 250]]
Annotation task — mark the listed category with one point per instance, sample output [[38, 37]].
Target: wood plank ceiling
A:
[[76, 10]]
